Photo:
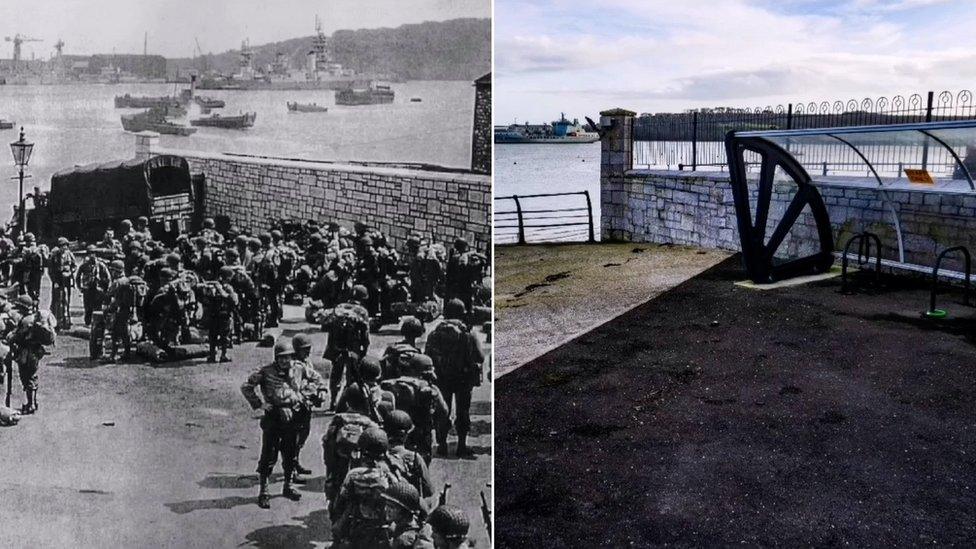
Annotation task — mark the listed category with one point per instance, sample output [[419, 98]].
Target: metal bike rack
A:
[[942, 313], [864, 241]]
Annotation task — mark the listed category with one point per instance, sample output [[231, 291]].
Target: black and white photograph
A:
[[245, 274]]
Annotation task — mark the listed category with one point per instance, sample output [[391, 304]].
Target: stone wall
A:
[[396, 200], [481, 138], [696, 208]]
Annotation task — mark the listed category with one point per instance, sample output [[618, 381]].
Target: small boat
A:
[[415, 100], [372, 95], [209, 102], [245, 120], [153, 120], [6, 125], [306, 107]]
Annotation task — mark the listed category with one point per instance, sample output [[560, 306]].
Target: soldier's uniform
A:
[[458, 359], [92, 279], [404, 511], [33, 331], [141, 231], [365, 396], [61, 269], [399, 354], [119, 312], [411, 464], [210, 234], [359, 513], [32, 261], [222, 304], [416, 394], [348, 329], [449, 526], [280, 385], [311, 387]]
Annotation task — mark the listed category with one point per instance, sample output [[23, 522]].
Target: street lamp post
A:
[[22, 150]]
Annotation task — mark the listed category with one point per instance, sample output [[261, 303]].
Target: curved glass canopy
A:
[[943, 150]]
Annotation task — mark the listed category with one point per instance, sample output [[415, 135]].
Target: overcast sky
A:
[[98, 26], [583, 56]]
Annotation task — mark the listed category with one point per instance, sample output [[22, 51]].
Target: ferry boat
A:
[[373, 94], [561, 131], [306, 107], [242, 121]]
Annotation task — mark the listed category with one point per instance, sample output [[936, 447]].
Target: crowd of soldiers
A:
[[141, 295]]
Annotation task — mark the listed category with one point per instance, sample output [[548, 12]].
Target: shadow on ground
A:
[[315, 527]]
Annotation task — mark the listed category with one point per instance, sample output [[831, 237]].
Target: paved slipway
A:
[[716, 415], [132, 455]]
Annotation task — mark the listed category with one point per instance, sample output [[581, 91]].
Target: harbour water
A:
[[78, 124], [540, 169]]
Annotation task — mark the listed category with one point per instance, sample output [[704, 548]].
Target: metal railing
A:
[[694, 140], [531, 220]]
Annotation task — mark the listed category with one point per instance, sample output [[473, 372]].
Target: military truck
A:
[[86, 200]]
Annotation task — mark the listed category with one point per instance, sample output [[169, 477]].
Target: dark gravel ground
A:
[[716, 415]]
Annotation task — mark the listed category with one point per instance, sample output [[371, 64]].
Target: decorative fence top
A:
[[693, 140]]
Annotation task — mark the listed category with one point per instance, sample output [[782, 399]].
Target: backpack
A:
[[42, 329], [408, 396], [397, 360], [447, 346], [342, 436]]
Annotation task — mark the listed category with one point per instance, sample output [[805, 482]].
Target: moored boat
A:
[[136, 102], [306, 107], [372, 95], [153, 120], [242, 121], [6, 125], [209, 102]]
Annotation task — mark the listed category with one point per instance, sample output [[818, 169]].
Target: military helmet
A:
[[450, 522], [241, 240], [454, 309], [173, 260], [460, 244], [282, 348], [360, 227], [315, 237], [370, 368], [226, 272], [301, 341], [62, 241], [125, 224], [264, 238], [116, 265], [398, 421], [333, 226], [411, 327], [366, 241], [167, 274], [142, 220], [276, 235], [419, 364], [360, 292], [29, 237], [208, 223], [135, 245], [23, 302], [403, 494], [232, 253], [90, 248], [374, 442]]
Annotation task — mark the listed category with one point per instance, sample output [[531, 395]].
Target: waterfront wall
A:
[[481, 137], [396, 200], [697, 209]]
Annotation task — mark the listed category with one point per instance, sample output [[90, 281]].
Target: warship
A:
[[561, 131]]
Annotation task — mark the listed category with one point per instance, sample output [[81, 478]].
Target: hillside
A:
[[459, 49]]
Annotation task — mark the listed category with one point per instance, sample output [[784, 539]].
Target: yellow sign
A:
[[919, 176]]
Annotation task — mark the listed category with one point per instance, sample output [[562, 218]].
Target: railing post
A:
[[616, 158], [521, 225], [694, 141], [789, 116], [589, 213], [925, 144]]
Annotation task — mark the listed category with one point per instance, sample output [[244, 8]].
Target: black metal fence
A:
[[531, 218], [694, 140]]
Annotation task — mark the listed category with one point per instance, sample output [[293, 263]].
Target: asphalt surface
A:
[[548, 294], [716, 415], [135, 455]]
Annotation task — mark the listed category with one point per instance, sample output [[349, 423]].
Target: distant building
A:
[[481, 132]]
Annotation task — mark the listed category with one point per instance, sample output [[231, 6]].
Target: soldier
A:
[[223, 302], [135, 259], [32, 266], [364, 395], [457, 360], [415, 393], [405, 514], [278, 382], [464, 270], [109, 248], [399, 354], [264, 271], [35, 329], [348, 329], [311, 392], [122, 303], [413, 468], [358, 516], [368, 274], [449, 526], [141, 231], [340, 444], [61, 269], [210, 234], [125, 236], [92, 279]]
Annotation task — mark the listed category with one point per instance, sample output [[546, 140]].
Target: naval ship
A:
[[560, 131], [321, 72]]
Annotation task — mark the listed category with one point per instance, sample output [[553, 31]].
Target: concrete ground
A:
[[546, 295], [716, 415], [134, 455]]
